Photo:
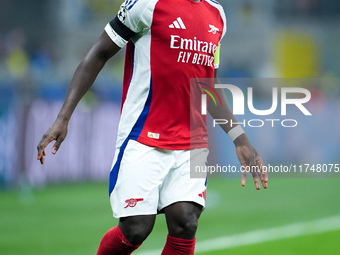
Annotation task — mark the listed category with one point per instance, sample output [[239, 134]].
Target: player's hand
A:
[[57, 132], [252, 162]]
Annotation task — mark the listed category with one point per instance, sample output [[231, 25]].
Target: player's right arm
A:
[[133, 18], [82, 80]]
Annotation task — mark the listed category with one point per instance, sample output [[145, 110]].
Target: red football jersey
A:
[[170, 42]]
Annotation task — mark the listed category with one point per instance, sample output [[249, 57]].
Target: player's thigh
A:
[[179, 185], [141, 171]]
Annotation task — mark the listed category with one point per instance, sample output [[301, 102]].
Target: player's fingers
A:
[[57, 144], [259, 173], [263, 172], [262, 179], [45, 140], [41, 152], [41, 148], [244, 176], [42, 160], [256, 180], [265, 177], [41, 157]]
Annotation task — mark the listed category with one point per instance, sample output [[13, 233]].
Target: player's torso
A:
[[183, 37]]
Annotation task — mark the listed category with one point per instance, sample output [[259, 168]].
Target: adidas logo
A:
[[178, 23]]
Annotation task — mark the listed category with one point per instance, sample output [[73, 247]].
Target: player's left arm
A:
[[246, 153]]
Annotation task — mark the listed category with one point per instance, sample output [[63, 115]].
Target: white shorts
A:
[[144, 180]]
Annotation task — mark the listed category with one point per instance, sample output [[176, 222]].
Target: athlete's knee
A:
[[137, 228], [185, 227], [182, 220]]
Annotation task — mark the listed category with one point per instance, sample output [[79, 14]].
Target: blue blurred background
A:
[[42, 42]]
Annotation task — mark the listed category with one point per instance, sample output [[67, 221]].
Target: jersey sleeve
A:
[[217, 57], [218, 50], [224, 18], [133, 18]]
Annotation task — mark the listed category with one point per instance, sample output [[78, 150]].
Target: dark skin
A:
[[181, 217], [246, 153], [82, 80]]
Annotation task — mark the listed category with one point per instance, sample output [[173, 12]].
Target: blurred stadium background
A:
[[63, 208]]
